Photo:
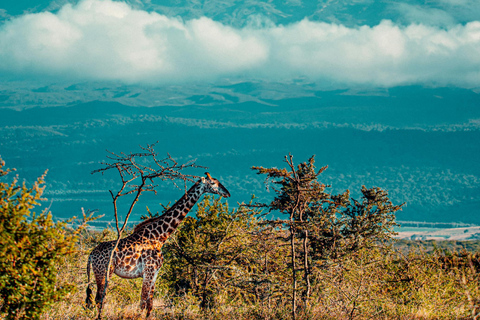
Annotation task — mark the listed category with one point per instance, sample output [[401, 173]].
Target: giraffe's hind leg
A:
[[101, 290], [99, 296], [100, 280]]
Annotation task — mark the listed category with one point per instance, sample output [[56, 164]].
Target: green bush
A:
[[211, 253], [32, 246]]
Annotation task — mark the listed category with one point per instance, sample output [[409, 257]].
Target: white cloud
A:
[[107, 40]]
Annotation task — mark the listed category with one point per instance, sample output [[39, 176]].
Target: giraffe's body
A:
[[140, 255]]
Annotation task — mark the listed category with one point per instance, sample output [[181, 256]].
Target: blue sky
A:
[[104, 40]]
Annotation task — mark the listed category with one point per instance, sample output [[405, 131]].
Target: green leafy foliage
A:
[[346, 225], [210, 253], [299, 190], [32, 246]]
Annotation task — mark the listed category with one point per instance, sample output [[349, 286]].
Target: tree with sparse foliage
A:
[[299, 191], [327, 225], [32, 247]]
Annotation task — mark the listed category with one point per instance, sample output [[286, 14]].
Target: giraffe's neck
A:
[[168, 222], [181, 208]]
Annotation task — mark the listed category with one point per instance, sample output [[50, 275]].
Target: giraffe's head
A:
[[212, 185]]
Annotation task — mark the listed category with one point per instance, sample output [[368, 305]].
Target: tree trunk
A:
[[306, 268], [294, 271], [204, 304]]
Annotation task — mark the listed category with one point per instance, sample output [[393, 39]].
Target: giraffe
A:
[[139, 254]]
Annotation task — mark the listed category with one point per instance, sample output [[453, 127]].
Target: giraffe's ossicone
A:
[[139, 254]]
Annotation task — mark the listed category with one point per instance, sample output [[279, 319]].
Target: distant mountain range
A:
[[420, 144], [253, 12]]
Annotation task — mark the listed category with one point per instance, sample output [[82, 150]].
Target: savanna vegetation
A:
[[327, 256]]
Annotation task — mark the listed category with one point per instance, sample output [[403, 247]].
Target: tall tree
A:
[[298, 192]]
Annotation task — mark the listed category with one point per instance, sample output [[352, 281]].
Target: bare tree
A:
[[138, 173]]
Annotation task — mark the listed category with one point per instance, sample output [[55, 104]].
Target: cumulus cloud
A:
[[107, 40]]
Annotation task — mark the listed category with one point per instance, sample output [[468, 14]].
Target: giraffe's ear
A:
[[203, 179]]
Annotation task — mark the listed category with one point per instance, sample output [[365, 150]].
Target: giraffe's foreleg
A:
[[148, 288]]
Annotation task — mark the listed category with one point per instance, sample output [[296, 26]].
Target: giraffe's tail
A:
[[89, 300]]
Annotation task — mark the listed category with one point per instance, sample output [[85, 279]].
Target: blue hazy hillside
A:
[[432, 168]]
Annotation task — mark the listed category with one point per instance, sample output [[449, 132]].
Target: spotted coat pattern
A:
[[140, 255]]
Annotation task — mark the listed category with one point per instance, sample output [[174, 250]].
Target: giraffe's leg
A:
[[102, 284], [148, 288]]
